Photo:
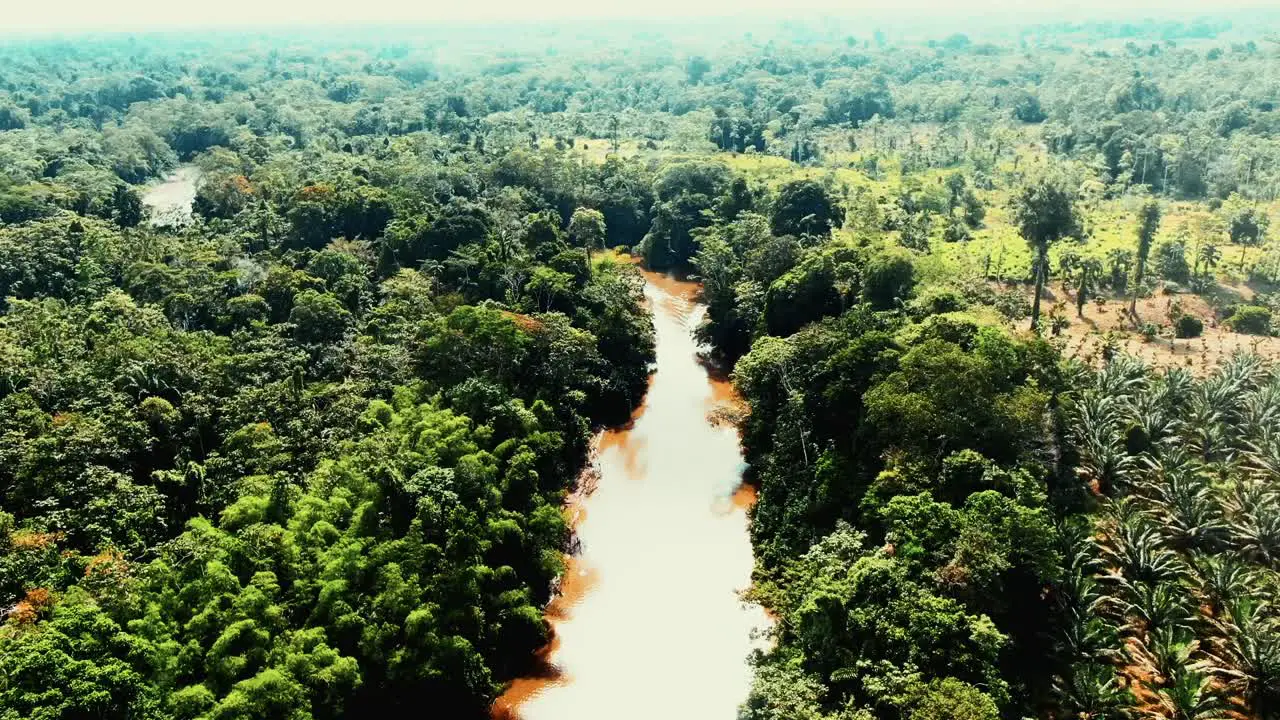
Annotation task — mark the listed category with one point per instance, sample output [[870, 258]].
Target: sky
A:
[[137, 15]]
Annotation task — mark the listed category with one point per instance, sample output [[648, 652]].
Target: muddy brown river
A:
[[649, 623], [170, 200]]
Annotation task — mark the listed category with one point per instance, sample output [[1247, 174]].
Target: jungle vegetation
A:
[[302, 454]]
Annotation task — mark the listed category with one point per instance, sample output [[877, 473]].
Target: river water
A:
[[649, 624], [170, 200]]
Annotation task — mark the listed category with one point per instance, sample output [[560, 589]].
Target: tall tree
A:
[[126, 206], [587, 229], [1044, 212], [1148, 223], [804, 207]]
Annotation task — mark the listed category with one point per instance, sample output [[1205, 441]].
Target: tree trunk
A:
[[1081, 291], [1137, 287], [1035, 304]]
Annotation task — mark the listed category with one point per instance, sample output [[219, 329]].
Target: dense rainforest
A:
[[1001, 302]]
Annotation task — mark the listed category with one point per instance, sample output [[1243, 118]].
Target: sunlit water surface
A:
[[650, 624], [170, 200]]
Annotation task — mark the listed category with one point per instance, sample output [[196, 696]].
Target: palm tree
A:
[[1256, 534], [1253, 507], [1152, 415], [1263, 453], [1087, 282], [1259, 423], [1157, 606], [1120, 260], [1260, 410], [1088, 637], [1190, 696], [1205, 433], [1122, 377], [1222, 578], [1246, 654], [1091, 691], [1178, 385], [1104, 458], [1138, 556], [1083, 634], [1209, 257], [1169, 650], [1185, 508], [1235, 381]]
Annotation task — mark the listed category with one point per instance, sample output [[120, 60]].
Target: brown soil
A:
[[1085, 337]]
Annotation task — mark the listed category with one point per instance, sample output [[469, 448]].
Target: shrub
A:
[[1150, 331], [1188, 326], [936, 301], [1251, 320], [1013, 305]]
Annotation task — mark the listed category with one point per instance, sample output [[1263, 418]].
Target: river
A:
[[170, 200], [649, 623]]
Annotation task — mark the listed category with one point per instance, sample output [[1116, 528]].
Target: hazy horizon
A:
[[158, 15]]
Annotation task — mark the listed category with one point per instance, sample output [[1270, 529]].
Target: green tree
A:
[[587, 229], [697, 68], [1171, 261], [889, 277], [1044, 213], [318, 317], [1088, 279], [803, 207], [1148, 224], [126, 206], [1208, 257]]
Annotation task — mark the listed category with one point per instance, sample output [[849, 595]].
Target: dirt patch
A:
[[1107, 324]]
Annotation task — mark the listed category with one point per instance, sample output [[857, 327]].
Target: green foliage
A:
[[307, 454], [318, 317], [1188, 326], [1044, 213], [1251, 320], [1028, 109], [804, 294], [1171, 262], [587, 228], [1175, 577], [947, 395], [803, 207], [303, 456], [890, 277], [684, 193], [950, 699], [1148, 223], [1246, 224]]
